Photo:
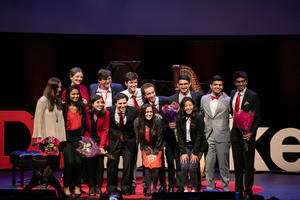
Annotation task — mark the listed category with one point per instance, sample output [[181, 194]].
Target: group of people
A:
[[120, 121]]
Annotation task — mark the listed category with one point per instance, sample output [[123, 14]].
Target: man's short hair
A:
[[145, 86], [103, 74], [240, 74], [216, 78], [130, 76], [119, 96], [184, 77]]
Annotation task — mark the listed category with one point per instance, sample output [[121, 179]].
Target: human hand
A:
[[247, 136], [193, 158], [172, 125], [184, 158], [84, 101], [102, 151]]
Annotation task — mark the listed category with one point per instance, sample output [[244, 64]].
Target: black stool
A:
[[26, 160]]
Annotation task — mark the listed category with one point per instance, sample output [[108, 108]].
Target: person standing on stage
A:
[[149, 129], [122, 142], [134, 95], [74, 117], [97, 126], [157, 102], [247, 100], [105, 87], [191, 141], [76, 77], [49, 121], [216, 109], [172, 150]]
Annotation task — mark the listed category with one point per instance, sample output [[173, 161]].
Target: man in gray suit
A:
[[216, 108]]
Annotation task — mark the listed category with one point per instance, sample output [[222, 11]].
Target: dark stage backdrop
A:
[[272, 63]]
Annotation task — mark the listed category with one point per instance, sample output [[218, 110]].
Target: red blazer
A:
[[83, 91], [102, 128]]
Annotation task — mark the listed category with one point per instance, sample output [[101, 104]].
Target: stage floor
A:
[[281, 186]]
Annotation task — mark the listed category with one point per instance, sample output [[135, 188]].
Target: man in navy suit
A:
[[243, 158], [105, 87], [172, 149], [157, 102]]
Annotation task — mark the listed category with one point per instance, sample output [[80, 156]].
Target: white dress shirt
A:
[[138, 97], [213, 106], [106, 95], [188, 129], [117, 117], [181, 96]]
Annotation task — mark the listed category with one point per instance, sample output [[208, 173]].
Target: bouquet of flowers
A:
[[88, 148], [170, 113], [244, 122], [49, 146]]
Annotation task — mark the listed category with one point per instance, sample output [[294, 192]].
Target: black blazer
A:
[[196, 96], [127, 131], [157, 141], [82, 128], [251, 103], [197, 134]]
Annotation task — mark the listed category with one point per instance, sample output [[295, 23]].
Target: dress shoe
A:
[[92, 191], [154, 190], [133, 190], [171, 189], [180, 189], [127, 193], [248, 196], [147, 193], [98, 191], [162, 189]]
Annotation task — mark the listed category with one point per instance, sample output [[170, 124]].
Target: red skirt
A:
[[155, 164]]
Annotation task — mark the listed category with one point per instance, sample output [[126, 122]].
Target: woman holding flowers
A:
[[97, 126], [74, 115], [190, 127], [49, 121], [150, 133]]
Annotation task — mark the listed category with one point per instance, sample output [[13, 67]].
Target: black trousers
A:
[[162, 172], [172, 154], [72, 167], [243, 161], [112, 169], [95, 171]]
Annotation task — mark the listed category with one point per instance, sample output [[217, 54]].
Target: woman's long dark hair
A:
[[182, 113], [91, 109], [150, 123], [50, 93], [79, 104]]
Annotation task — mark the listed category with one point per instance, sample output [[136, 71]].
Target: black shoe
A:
[[127, 193], [180, 189], [92, 191], [147, 193], [162, 189], [248, 196], [132, 190], [98, 191], [171, 189]]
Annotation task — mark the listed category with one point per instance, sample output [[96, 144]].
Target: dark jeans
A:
[[190, 169], [172, 153]]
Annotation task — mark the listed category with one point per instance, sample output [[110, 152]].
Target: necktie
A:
[[135, 102], [121, 126], [237, 103], [154, 108], [214, 97], [237, 107]]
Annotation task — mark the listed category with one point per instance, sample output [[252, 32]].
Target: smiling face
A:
[[149, 113], [77, 78], [98, 105], [74, 95], [58, 90], [121, 105], [188, 107], [132, 85], [105, 83], [216, 87], [184, 86], [150, 94], [240, 83]]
